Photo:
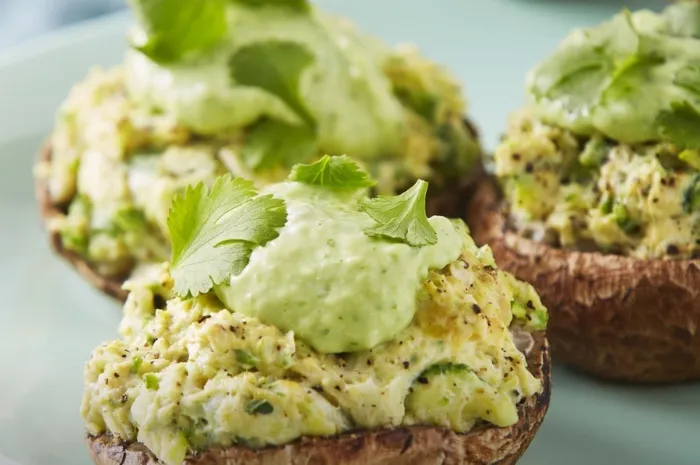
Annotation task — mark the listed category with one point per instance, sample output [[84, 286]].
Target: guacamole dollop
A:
[[633, 79], [335, 287], [343, 87]]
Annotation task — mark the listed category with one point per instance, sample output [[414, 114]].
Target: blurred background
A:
[[23, 19]]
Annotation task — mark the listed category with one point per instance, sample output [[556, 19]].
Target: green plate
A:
[[51, 319]]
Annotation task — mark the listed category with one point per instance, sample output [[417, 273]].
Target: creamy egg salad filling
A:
[[244, 87], [606, 155], [308, 308]]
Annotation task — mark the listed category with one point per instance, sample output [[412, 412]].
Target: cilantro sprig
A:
[[402, 217], [337, 172], [276, 67], [214, 232], [176, 28]]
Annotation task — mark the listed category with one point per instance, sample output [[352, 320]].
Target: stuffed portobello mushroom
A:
[[597, 196], [241, 87], [307, 322]]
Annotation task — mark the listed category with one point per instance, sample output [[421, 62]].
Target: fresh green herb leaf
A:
[[579, 75], [270, 143], [623, 220], [594, 153], [151, 381], [583, 87], [679, 125], [606, 204], [245, 359], [130, 220], [176, 28], [139, 236], [445, 369], [259, 407], [621, 216], [297, 5], [214, 232], [276, 67], [631, 80], [75, 230], [691, 196], [691, 158], [338, 172], [402, 217], [688, 77], [136, 364]]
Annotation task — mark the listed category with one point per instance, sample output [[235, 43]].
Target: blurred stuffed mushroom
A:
[[307, 322], [242, 87], [597, 200]]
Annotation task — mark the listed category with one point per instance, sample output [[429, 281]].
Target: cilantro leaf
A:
[[582, 79], [174, 28], [271, 142], [402, 217], [338, 172], [577, 75], [259, 407], [275, 66], [679, 125], [688, 77], [298, 5], [245, 359], [214, 231]]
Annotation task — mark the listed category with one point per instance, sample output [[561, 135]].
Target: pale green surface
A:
[[50, 319], [377, 298]]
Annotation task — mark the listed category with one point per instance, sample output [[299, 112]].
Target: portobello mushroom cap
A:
[[614, 317], [449, 202], [412, 445]]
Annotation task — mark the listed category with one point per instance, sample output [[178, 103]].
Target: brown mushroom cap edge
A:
[[484, 445], [615, 317]]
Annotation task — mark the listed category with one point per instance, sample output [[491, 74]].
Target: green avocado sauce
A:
[[634, 79], [344, 79], [330, 283]]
